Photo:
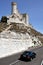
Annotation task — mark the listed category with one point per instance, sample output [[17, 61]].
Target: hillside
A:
[[37, 34], [14, 26], [16, 37], [3, 26]]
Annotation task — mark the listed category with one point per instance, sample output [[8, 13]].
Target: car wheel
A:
[[34, 56]]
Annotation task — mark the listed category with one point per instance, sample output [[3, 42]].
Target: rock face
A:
[[17, 36], [14, 41]]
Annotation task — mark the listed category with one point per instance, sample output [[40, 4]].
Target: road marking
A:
[[14, 62], [42, 62]]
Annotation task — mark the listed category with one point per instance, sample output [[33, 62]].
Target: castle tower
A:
[[16, 16], [27, 19], [14, 8]]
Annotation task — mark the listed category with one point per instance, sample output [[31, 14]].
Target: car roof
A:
[[27, 52]]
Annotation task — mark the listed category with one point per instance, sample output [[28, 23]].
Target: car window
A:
[[27, 53]]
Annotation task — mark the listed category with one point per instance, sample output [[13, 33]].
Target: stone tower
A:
[[14, 8]]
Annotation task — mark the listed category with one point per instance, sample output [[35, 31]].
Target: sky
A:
[[34, 8]]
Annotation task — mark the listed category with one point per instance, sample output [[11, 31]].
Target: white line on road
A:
[[14, 62], [42, 62]]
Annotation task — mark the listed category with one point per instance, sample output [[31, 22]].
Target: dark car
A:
[[27, 55]]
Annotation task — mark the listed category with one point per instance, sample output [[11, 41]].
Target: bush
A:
[[34, 42], [4, 19]]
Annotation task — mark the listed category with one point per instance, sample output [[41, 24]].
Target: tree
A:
[[4, 19]]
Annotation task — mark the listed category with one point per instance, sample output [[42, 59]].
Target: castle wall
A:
[[16, 16]]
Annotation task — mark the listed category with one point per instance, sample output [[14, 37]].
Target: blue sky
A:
[[34, 8]]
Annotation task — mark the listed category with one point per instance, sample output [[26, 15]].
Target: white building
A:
[[16, 16]]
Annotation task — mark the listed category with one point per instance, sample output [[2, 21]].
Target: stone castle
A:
[[16, 17]]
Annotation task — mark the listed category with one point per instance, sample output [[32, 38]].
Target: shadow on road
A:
[[24, 60]]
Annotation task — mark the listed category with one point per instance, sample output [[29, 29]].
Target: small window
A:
[[13, 16], [20, 19]]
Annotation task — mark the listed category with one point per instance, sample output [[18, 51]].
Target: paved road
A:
[[13, 60]]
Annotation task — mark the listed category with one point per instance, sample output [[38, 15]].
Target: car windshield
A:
[[27, 53]]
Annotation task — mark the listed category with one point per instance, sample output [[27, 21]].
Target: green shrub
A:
[[4, 19]]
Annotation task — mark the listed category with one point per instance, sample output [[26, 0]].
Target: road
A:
[[13, 60]]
